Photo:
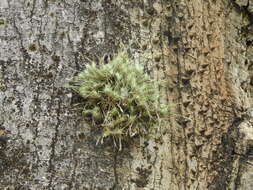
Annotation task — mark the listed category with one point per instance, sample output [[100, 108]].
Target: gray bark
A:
[[47, 145], [202, 48]]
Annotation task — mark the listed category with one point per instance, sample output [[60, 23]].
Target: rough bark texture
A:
[[204, 51]]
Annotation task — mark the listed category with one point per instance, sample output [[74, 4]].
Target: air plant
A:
[[120, 99]]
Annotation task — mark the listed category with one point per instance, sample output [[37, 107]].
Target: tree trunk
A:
[[202, 49]]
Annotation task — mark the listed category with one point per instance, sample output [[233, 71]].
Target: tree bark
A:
[[201, 49]]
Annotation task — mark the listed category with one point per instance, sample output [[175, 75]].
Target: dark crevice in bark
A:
[[73, 175], [225, 157], [33, 8], [116, 185], [243, 9], [51, 167], [181, 119]]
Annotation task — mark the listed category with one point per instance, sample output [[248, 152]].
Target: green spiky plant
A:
[[120, 99]]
